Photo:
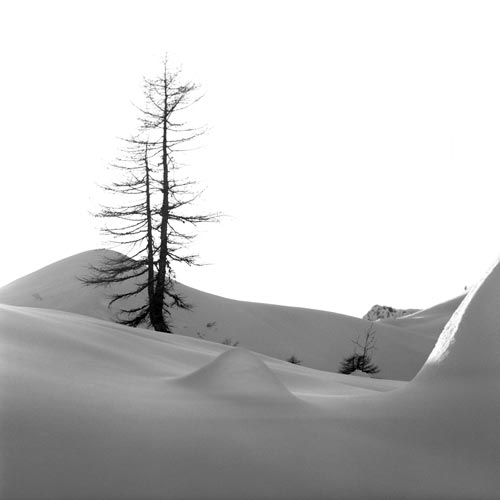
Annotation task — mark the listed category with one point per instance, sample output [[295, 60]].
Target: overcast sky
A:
[[354, 146]]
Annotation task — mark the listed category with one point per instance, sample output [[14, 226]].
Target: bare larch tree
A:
[[156, 218], [362, 360]]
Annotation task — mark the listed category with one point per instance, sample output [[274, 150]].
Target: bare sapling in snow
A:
[[154, 217], [361, 359]]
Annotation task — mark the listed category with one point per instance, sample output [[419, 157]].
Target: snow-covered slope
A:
[[428, 320], [93, 410], [320, 339]]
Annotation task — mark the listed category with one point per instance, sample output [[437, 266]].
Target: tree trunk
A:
[[156, 313], [150, 257]]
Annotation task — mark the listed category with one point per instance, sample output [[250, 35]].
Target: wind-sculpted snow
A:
[[469, 346], [237, 373], [455, 398], [320, 339], [91, 410]]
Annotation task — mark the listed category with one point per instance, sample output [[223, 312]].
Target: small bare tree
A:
[[360, 359]]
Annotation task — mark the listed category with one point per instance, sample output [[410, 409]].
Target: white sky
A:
[[354, 145]]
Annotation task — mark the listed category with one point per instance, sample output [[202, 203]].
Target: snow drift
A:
[[91, 410], [237, 373], [469, 345], [320, 339]]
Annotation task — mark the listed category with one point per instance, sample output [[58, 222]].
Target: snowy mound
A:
[[57, 286], [469, 347], [237, 373]]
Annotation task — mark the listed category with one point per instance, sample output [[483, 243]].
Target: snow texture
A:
[[94, 410], [320, 339]]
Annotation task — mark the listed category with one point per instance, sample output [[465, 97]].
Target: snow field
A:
[[90, 410]]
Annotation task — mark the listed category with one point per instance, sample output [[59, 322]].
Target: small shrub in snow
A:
[[362, 360], [294, 360], [229, 341]]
